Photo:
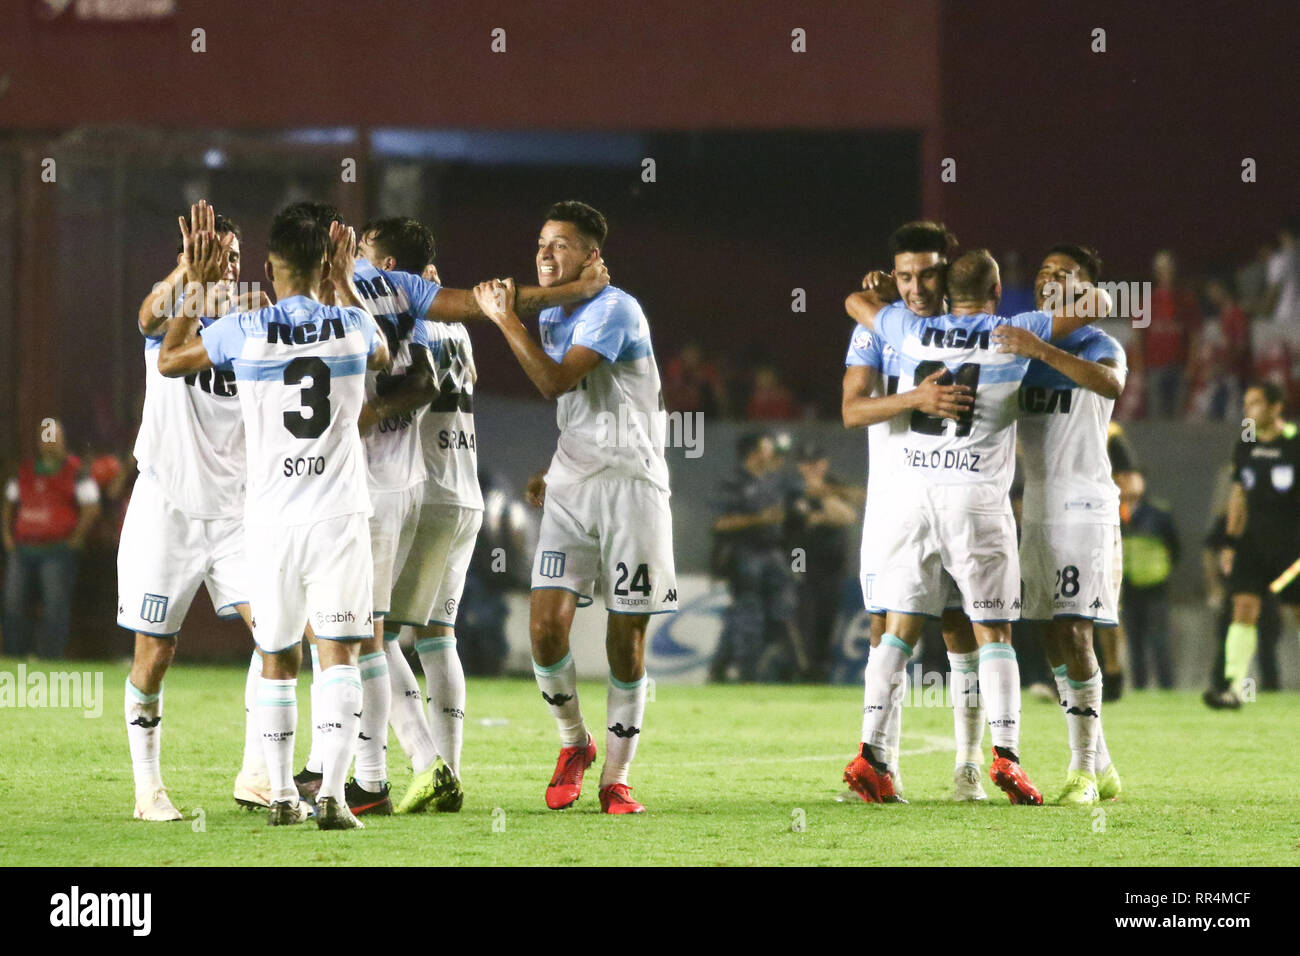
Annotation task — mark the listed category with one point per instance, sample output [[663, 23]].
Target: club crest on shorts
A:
[[154, 608], [552, 564]]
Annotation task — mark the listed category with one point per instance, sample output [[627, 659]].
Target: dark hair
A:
[[223, 224], [407, 240], [591, 224], [922, 236], [1273, 393], [299, 241], [323, 213], [972, 275], [1088, 259], [748, 442]]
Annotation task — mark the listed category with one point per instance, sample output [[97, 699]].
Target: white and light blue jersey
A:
[[398, 301], [866, 348], [300, 368], [613, 421], [191, 438], [1063, 435], [978, 449], [447, 428]]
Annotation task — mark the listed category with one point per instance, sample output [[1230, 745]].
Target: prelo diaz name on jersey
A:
[[684, 430], [954, 460]]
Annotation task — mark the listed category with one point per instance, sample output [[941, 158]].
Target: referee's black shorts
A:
[[1258, 564]]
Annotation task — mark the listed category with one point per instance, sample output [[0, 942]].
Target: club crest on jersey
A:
[[304, 334], [954, 338], [154, 608], [552, 564], [1283, 477]]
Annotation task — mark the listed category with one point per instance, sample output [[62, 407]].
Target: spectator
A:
[[1151, 550], [692, 384], [1174, 324], [48, 511], [770, 400], [1234, 324], [759, 634], [1282, 301], [819, 516]]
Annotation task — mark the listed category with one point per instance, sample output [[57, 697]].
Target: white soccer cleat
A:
[[253, 790], [155, 806], [967, 784]]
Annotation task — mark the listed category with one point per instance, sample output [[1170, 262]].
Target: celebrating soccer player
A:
[[300, 365], [871, 398], [606, 511], [1070, 554]]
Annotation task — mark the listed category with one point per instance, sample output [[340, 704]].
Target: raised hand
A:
[[342, 252], [1018, 341], [882, 284]]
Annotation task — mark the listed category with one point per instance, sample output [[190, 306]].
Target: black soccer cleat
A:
[[1221, 700], [362, 801]]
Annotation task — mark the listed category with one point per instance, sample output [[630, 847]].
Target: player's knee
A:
[[155, 653]]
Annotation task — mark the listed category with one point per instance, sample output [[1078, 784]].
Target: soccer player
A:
[[1070, 551], [300, 366], [950, 507], [605, 497], [1263, 520], [184, 524], [871, 398]]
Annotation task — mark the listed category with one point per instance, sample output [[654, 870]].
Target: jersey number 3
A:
[[315, 396]]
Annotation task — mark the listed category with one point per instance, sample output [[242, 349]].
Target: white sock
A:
[[559, 686], [254, 755], [409, 722], [1102, 759], [1083, 718], [337, 720], [883, 690], [314, 755], [376, 705], [999, 677], [967, 707], [894, 733], [445, 679], [144, 735], [277, 718], [624, 711]]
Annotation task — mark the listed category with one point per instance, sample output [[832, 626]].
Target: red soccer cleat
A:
[[869, 784], [1013, 781], [617, 798], [566, 785]]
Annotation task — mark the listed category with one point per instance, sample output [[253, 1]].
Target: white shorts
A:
[[934, 531], [164, 555], [432, 580], [392, 532], [612, 532], [1070, 570], [319, 573]]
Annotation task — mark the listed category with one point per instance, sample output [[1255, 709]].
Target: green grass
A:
[[723, 771]]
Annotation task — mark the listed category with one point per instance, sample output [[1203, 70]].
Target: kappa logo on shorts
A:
[[671, 595], [552, 564], [1095, 604], [154, 608]]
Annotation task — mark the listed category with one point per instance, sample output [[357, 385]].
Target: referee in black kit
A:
[[1263, 530]]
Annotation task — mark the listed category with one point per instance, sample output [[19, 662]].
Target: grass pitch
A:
[[729, 775]]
